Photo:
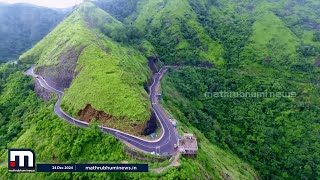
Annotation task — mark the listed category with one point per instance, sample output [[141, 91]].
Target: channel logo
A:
[[21, 160]]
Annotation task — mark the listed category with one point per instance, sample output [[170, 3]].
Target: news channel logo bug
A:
[[21, 160]]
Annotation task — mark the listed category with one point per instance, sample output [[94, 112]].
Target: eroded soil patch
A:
[[89, 114]]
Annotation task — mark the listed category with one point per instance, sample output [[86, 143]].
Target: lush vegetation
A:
[[274, 48], [110, 76], [24, 25], [120, 86], [245, 46], [278, 46], [268, 132], [119, 9], [173, 29], [157, 20], [28, 122]]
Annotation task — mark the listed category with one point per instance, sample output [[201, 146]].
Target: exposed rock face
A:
[[152, 63], [61, 75], [42, 92], [151, 124], [89, 113]]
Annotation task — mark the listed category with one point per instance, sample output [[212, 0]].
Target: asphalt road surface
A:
[[163, 146]]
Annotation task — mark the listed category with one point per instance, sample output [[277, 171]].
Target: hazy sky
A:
[[47, 3]]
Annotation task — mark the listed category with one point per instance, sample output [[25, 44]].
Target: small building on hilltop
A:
[[187, 145]]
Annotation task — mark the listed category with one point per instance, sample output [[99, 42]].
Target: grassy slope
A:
[[271, 41], [72, 32], [212, 161], [302, 21], [56, 141], [106, 78], [110, 77], [177, 20]]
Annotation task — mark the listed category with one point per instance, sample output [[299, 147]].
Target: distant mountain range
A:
[[23, 25]]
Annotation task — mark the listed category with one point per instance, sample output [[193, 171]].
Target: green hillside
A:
[[271, 42], [267, 132], [106, 75], [278, 136], [27, 121], [188, 42], [265, 51]]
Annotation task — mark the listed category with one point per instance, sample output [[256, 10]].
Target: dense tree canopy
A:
[[251, 46]]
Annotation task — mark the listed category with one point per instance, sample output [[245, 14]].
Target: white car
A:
[[152, 152]]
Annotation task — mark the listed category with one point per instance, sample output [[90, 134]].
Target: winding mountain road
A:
[[163, 146]]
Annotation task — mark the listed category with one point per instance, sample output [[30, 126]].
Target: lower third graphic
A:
[[21, 160]]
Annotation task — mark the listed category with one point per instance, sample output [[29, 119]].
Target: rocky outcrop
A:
[[151, 125], [89, 113], [152, 63], [60, 76], [42, 92]]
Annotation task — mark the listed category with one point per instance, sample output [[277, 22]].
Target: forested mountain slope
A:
[[98, 55], [22, 26], [28, 121], [188, 43], [278, 135], [101, 76], [172, 27]]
